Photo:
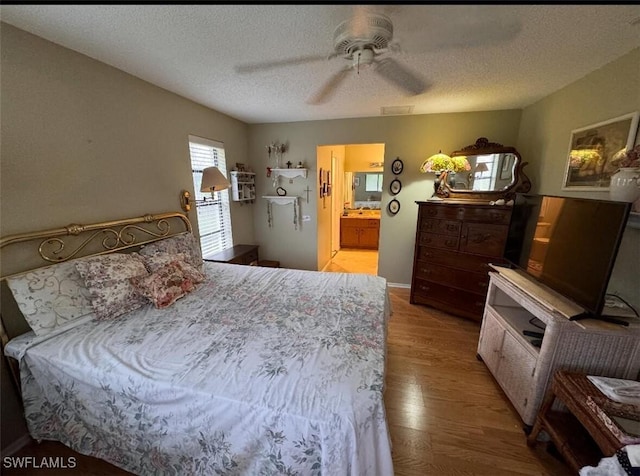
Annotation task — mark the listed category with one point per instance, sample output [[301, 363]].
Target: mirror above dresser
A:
[[495, 172]]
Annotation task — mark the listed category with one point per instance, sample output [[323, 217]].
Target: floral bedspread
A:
[[259, 371]]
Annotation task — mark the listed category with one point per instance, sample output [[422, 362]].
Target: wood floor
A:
[[446, 414]]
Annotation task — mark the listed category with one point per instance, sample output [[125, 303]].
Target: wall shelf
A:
[[243, 186], [289, 173], [281, 200]]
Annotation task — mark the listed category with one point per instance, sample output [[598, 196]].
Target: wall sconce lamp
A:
[[212, 181]]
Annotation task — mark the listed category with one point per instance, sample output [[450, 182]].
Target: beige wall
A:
[[412, 138], [544, 135], [358, 157], [85, 142]]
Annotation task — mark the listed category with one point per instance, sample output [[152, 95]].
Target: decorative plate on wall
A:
[[394, 206], [395, 186], [397, 166]]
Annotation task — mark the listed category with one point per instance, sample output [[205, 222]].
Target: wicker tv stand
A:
[[523, 370]]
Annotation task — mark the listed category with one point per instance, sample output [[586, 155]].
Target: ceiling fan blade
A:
[[399, 75], [327, 90], [266, 65]]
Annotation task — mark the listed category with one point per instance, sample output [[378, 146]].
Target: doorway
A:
[[356, 193]]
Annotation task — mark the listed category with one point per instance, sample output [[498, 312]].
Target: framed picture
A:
[[356, 181], [395, 186], [394, 206], [397, 166], [595, 150]]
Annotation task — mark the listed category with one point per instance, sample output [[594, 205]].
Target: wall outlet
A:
[[306, 218]]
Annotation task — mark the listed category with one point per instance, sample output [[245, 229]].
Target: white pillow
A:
[[52, 297]]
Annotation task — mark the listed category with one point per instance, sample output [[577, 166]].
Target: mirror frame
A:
[[519, 184]]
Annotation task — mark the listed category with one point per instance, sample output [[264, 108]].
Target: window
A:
[[373, 183], [214, 219]]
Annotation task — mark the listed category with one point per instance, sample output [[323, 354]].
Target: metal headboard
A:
[[43, 248]]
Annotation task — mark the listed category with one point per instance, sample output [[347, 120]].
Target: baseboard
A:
[[17, 445], [399, 285]]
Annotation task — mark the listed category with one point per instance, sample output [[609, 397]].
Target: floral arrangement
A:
[[630, 158], [579, 157], [440, 162]]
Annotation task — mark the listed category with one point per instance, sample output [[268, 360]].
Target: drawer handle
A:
[[483, 284], [479, 303], [425, 288], [432, 212], [426, 240], [451, 243], [495, 216], [451, 227]]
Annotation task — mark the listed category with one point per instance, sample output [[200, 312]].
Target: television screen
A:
[[569, 244]]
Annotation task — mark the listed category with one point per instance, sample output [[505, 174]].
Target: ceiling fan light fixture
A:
[[363, 58]]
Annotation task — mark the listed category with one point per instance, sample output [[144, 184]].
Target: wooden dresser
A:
[[455, 242]]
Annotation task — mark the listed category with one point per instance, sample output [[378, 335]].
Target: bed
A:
[[252, 371]]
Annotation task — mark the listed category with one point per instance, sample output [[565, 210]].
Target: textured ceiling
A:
[[473, 57]]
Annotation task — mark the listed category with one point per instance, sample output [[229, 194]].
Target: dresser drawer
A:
[[499, 216], [448, 299], [444, 227], [441, 211], [485, 214], [488, 240], [457, 278], [444, 242], [474, 263]]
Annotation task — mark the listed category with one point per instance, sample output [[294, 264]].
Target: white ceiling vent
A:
[[396, 110]]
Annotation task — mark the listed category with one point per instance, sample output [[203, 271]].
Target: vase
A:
[[451, 179], [436, 184], [625, 185]]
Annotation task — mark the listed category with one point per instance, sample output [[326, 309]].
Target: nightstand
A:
[[239, 254]]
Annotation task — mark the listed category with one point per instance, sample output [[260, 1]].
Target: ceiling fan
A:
[[365, 41]]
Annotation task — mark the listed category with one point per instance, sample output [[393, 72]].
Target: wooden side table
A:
[[239, 254], [580, 435]]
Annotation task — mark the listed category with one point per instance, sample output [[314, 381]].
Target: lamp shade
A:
[[441, 162], [213, 180], [482, 167]]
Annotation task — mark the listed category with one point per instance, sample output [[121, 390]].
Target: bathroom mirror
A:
[[362, 190], [495, 172]]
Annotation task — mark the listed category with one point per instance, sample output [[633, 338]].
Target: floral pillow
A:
[[159, 260], [166, 285], [107, 278], [51, 298], [185, 243]]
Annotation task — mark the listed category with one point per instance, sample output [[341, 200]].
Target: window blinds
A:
[[214, 219]]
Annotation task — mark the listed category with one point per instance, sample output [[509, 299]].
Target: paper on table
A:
[[618, 390]]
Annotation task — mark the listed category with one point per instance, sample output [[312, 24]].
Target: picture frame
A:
[[394, 206], [395, 186], [356, 181], [397, 166], [593, 150]]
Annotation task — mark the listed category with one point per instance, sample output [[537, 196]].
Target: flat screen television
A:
[[569, 244]]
